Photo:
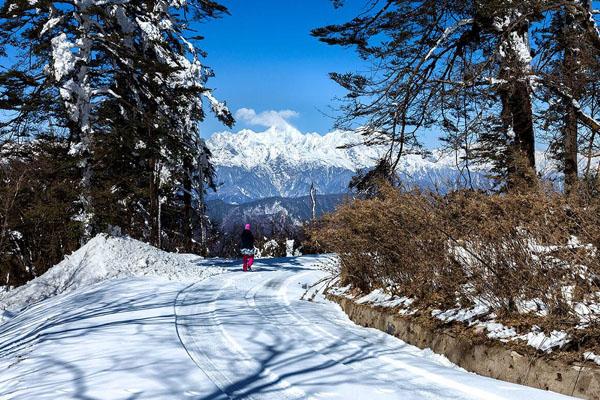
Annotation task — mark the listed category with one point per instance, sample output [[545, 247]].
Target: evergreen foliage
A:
[[121, 88]]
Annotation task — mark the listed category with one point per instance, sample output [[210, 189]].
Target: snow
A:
[[520, 45], [479, 317], [104, 258], [51, 23], [460, 314], [587, 312], [219, 108], [546, 343], [283, 143], [62, 56], [498, 331], [286, 161], [342, 291], [230, 335], [379, 298], [250, 149], [115, 340], [289, 248], [5, 316], [444, 37], [535, 306], [591, 356]]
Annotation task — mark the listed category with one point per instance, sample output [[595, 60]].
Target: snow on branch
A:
[[220, 109], [585, 118], [447, 32]]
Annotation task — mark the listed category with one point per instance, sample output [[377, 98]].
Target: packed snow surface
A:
[[231, 335]]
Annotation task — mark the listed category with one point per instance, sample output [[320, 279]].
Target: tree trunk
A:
[[80, 143], [153, 197], [187, 204], [313, 201], [517, 114], [570, 149], [522, 115], [569, 130]]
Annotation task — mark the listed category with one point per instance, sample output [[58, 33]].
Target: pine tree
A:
[[571, 59], [127, 74]]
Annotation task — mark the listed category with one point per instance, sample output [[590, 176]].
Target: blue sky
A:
[[265, 60]]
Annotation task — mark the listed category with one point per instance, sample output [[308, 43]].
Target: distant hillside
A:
[[276, 211]]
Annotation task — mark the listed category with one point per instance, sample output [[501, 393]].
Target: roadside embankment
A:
[[477, 354]]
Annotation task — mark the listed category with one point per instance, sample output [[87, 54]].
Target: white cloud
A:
[[268, 119]]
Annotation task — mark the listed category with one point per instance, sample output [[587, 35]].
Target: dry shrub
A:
[[388, 242], [510, 251]]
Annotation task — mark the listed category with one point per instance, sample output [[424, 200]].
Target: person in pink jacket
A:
[[247, 248]]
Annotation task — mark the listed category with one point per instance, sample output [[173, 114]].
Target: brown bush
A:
[[501, 249]]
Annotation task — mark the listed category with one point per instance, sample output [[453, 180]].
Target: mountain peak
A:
[[250, 149]]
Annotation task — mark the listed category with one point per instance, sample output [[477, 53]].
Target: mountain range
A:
[[285, 163], [266, 177], [271, 213]]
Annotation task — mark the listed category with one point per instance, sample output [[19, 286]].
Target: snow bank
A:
[[104, 258]]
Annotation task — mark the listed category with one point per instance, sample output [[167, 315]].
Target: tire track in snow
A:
[[363, 363], [312, 342], [218, 343], [332, 327], [178, 331]]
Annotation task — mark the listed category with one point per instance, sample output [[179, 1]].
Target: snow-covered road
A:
[[231, 336], [255, 339]]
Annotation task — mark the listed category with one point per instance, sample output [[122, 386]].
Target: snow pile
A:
[[341, 291], [104, 258], [587, 312], [591, 356], [498, 331]]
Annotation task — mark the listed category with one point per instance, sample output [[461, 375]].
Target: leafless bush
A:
[[510, 251]]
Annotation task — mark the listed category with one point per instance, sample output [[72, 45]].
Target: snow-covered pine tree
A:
[[57, 57], [508, 23], [118, 68]]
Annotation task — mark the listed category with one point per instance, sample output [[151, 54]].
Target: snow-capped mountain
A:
[[285, 162]]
